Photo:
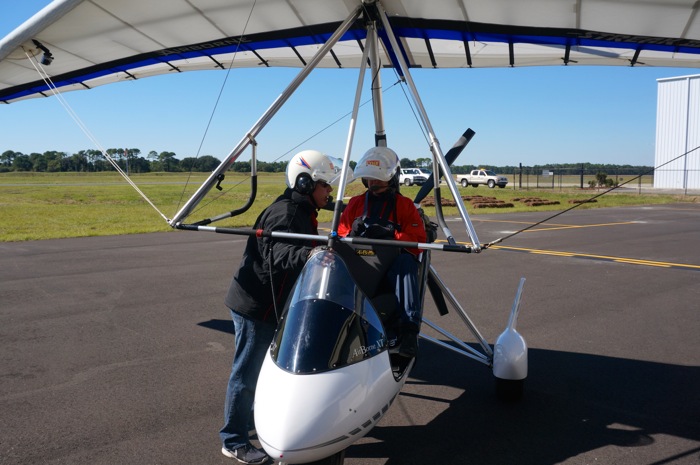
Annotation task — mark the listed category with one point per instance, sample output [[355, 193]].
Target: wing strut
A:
[[264, 119], [348, 145], [434, 144]]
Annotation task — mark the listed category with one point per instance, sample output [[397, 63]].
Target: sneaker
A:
[[247, 455], [409, 344]]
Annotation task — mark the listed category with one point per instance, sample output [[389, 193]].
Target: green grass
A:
[[37, 206]]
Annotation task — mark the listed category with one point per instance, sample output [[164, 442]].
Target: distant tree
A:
[[91, 156], [406, 163], [207, 163], [8, 157], [202, 164], [130, 155], [55, 161], [77, 162], [601, 178], [266, 167], [140, 165], [272, 167], [22, 163], [241, 167], [167, 161], [188, 163], [38, 162], [102, 164], [113, 155], [425, 163]]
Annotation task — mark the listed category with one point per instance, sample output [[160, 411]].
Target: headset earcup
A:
[[304, 184]]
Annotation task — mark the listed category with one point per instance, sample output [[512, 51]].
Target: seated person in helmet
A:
[[383, 213], [262, 284]]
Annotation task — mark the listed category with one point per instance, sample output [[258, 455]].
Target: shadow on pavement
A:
[[573, 403]]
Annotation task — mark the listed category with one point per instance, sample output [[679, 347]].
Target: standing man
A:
[[260, 288], [383, 213]]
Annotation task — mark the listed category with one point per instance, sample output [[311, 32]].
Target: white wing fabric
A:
[[96, 42]]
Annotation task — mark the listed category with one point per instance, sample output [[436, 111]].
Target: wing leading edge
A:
[[96, 42]]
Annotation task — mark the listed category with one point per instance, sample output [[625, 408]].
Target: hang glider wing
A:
[[94, 42]]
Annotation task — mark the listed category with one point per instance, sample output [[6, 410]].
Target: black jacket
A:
[[250, 292]]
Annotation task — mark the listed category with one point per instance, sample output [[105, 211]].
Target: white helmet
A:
[[309, 166], [379, 163]]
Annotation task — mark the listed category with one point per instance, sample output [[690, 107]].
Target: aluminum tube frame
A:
[[265, 118], [376, 84], [29, 29], [253, 180], [462, 313], [463, 348], [325, 239], [513, 320], [434, 144], [453, 348], [348, 144]]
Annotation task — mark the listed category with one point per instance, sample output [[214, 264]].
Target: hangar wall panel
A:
[[678, 133]]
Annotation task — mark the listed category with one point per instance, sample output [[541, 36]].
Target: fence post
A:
[[527, 179], [520, 177]]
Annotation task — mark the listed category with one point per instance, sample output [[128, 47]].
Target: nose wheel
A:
[[510, 356]]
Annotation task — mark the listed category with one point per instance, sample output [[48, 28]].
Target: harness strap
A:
[[390, 208]]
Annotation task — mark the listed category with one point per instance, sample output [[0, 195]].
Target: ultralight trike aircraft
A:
[[331, 351]]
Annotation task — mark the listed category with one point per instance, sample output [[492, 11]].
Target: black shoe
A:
[[246, 455], [409, 344]]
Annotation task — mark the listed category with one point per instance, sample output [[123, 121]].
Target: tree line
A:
[[128, 160], [585, 168], [132, 161]]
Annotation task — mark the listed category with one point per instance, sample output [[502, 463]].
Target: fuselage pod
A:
[[327, 378]]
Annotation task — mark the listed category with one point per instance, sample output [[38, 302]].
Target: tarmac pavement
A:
[[117, 350]]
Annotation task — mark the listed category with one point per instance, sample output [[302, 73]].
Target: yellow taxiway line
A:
[[631, 261]]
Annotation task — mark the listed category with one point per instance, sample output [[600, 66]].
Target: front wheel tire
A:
[[335, 459], [510, 390]]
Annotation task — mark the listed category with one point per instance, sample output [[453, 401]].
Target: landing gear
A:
[[510, 356], [335, 459], [509, 390]]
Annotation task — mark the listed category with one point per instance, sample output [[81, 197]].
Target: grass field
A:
[[37, 206]]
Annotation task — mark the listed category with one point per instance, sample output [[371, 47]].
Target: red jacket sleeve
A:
[[354, 208]]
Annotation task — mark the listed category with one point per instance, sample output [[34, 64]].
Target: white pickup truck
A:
[[482, 176], [410, 176]]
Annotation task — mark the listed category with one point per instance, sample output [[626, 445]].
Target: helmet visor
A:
[[332, 171]]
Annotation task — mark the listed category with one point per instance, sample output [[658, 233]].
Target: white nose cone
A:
[[306, 417], [510, 356]]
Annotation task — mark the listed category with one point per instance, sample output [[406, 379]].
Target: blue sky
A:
[[522, 115]]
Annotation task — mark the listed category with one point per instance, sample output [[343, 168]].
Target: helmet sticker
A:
[[304, 163]]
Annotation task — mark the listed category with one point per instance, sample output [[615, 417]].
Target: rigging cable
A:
[[54, 90], [338, 120], [588, 200], [216, 104]]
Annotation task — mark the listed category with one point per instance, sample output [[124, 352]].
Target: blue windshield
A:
[[329, 323]]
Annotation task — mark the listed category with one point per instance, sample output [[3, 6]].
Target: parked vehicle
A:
[[410, 176], [482, 176]]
